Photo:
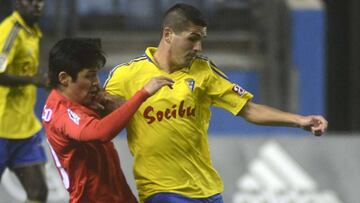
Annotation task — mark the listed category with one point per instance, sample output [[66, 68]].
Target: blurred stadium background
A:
[[297, 55]]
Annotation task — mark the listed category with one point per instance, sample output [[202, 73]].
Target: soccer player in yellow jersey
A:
[[20, 148], [168, 134]]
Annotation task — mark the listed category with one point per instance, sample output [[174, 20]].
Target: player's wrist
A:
[[144, 93]]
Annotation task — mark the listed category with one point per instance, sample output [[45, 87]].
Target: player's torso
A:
[[17, 103], [168, 134], [86, 168], [179, 114], [20, 45], [26, 58]]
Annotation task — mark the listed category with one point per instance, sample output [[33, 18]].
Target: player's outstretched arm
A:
[[265, 115], [40, 80], [107, 128]]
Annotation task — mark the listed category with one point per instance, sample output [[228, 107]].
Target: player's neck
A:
[[163, 61], [67, 94]]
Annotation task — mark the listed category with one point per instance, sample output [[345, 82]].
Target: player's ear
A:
[[167, 34], [64, 78]]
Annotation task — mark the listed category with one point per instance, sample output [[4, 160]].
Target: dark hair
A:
[[179, 16], [72, 55]]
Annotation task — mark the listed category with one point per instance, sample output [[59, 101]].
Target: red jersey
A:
[[81, 146]]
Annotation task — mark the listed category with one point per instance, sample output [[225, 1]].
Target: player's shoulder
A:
[[9, 20], [10, 23], [55, 106], [126, 71], [130, 66], [10, 29], [51, 111]]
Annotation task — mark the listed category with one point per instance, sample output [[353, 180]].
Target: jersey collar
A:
[[149, 53]]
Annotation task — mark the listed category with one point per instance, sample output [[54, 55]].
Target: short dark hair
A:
[[180, 15], [72, 55]]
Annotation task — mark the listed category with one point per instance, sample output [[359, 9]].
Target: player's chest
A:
[[29, 48], [186, 87], [181, 100], [26, 57]]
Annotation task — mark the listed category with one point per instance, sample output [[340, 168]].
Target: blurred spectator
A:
[[20, 140]]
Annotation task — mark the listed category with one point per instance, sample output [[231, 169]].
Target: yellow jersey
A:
[[19, 55], [168, 134]]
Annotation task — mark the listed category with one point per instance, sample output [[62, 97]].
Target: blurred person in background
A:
[[80, 139], [20, 138], [168, 134]]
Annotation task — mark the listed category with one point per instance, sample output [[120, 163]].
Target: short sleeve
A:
[[224, 93]]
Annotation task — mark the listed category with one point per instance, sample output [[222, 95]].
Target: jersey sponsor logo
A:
[[74, 117], [191, 83], [152, 115], [238, 89], [46, 114], [275, 177]]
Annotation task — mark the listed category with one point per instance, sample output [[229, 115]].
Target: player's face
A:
[[30, 10], [86, 86], [186, 45]]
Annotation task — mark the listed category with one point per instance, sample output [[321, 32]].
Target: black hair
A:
[[72, 55], [180, 15]]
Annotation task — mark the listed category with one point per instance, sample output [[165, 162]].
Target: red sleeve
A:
[[88, 128]]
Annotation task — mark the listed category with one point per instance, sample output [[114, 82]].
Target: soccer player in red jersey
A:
[[79, 138]]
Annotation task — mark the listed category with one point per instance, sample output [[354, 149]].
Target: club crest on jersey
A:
[[241, 91], [191, 83], [74, 117]]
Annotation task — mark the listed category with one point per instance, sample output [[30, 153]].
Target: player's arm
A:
[[265, 115], [39, 80], [107, 128]]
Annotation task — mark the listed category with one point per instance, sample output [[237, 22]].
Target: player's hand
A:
[[156, 83], [104, 103], [110, 102], [315, 124]]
